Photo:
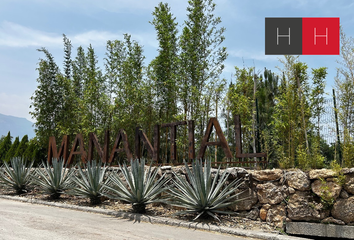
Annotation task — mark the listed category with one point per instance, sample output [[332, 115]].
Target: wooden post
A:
[[191, 147], [173, 137]]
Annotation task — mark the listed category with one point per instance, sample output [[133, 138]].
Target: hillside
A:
[[17, 126]]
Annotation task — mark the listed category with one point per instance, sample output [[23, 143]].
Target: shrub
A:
[[16, 177], [55, 179], [138, 187], [201, 194], [89, 182]]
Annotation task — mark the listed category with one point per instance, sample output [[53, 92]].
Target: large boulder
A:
[[328, 191], [349, 183], [297, 180], [267, 175], [343, 209], [276, 216], [302, 207], [249, 200], [271, 193], [348, 170], [321, 173], [235, 172]]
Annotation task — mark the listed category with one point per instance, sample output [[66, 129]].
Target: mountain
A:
[[17, 126]]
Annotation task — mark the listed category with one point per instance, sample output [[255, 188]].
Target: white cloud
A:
[[15, 105], [15, 35], [255, 55]]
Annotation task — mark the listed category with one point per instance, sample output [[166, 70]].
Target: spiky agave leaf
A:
[[90, 181], [202, 194], [141, 188], [54, 180], [18, 176]]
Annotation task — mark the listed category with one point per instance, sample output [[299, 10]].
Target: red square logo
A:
[[320, 36]]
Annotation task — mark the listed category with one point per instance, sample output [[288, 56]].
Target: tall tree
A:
[[345, 83], [93, 91], [5, 146], [22, 147], [47, 99], [165, 65], [202, 58], [12, 151], [345, 88]]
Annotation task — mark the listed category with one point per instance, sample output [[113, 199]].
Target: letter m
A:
[[63, 150]]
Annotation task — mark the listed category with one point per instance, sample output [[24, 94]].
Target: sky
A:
[[27, 25]]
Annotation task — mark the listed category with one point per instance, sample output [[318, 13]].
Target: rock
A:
[[321, 173], [246, 204], [333, 221], [344, 194], [349, 183], [271, 193], [302, 207], [263, 214], [163, 168], [235, 172], [346, 171], [328, 191], [343, 209], [297, 180], [253, 214], [267, 206], [291, 190], [276, 216], [267, 175]]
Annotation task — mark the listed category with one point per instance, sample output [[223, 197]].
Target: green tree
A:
[[292, 113], [79, 74], [165, 65], [12, 151], [317, 95], [202, 58], [241, 100], [115, 55], [47, 98], [5, 146], [345, 88], [93, 91], [22, 147], [67, 123]]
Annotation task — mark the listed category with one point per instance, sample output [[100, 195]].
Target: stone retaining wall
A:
[[279, 196]]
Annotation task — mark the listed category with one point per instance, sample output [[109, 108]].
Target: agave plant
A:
[[138, 186], [89, 182], [18, 176], [202, 194], [55, 179]]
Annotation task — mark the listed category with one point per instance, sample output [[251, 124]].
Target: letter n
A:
[[93, 142], [121, 137], [63, 150], [205, 142], [153, 151], [78, 142]]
